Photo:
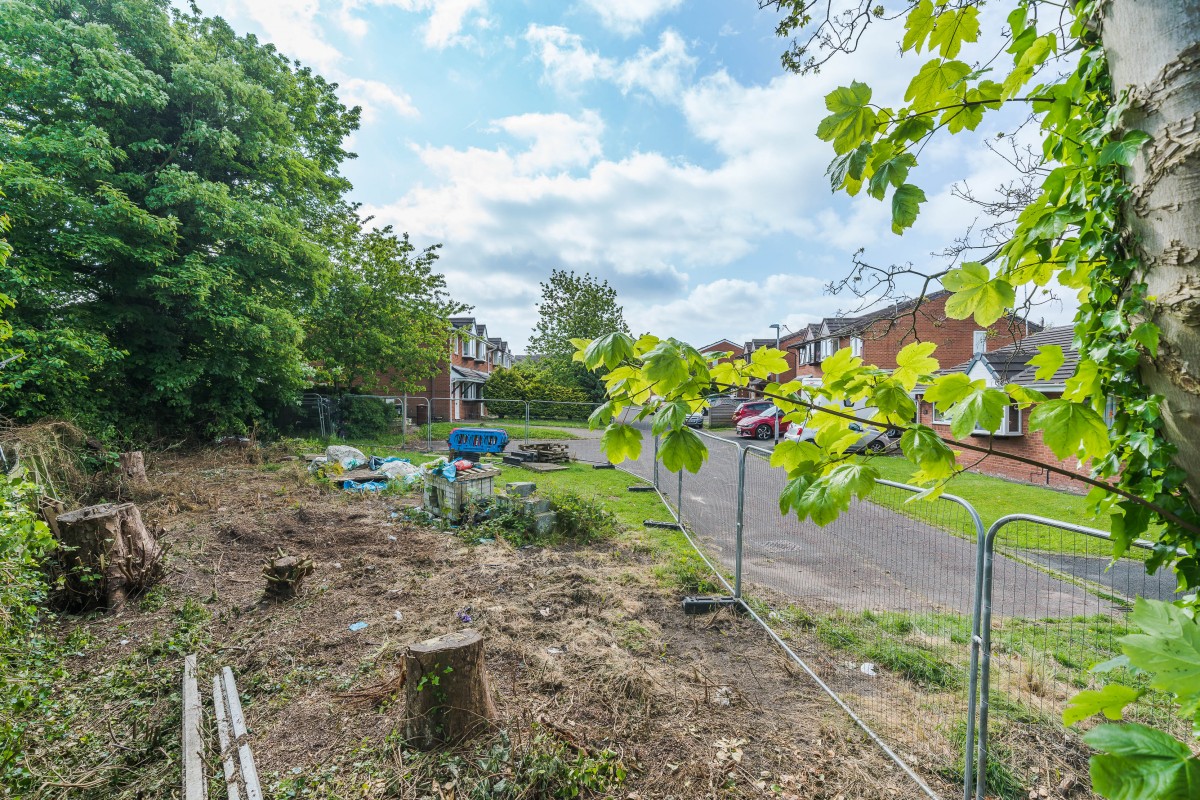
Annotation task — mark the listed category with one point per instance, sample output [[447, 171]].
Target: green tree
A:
[[1110, 84], [384, 315], [574, 307], [166, 179]]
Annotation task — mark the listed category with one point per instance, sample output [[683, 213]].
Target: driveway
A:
[[869, 558]]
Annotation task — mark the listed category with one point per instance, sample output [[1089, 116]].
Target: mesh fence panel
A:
[[1058, 609]]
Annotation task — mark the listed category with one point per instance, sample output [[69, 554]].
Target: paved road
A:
[[870, 558]]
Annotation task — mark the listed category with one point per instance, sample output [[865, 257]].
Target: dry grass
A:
[[583, 645]]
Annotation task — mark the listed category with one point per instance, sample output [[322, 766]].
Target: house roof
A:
[[462, 322], [1010, 364], [466, 375], [717, 345]]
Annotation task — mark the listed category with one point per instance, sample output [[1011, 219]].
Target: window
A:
[[1010, 423], [940, 418], [979, 345], [828, 347], [855, 346]]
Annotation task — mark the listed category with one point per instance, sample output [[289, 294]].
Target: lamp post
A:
[[777, 327]]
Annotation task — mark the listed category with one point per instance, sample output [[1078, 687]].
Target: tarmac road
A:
[[871, 558]]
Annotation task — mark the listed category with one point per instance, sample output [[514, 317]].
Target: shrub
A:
[[364, 417], [582, 519]]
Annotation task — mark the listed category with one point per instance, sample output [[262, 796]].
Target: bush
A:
[[364, 417], [528, 381], [578, 520]]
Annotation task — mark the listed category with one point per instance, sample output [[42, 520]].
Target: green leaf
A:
[[792, 495], [914, 361], [981, 408], [620, 442], [1146, 335], [906, 204], [922, 446], [772, 361], [665, 367], [830, 495], [1110, 701], [1168, 648], [977, 293], [1070, 429], [952, 28], [917, 26], [1123, 151], [891, 172], [932, 84], [683, 449], [1084, 386], [1138, 763], [852, 121], [602, 416], [793, 455], [1023, 396], [948, 389], [609, 350], [893, 401], [839, 365], [1048, 359], [670, 416]]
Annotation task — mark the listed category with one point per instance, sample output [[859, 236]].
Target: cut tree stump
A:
[[446, 692], [109, 553], [133, 465], [285, 575]]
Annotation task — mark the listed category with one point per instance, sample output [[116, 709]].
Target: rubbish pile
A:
[[354, 471]]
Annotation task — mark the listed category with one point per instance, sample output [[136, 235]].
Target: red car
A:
[[762, 426], [751, 408]]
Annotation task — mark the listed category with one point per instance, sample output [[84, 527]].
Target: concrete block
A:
[[537, 505], [520, 489], [544, 523]]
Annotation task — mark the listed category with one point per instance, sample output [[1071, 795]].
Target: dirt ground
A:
[[583, 644]]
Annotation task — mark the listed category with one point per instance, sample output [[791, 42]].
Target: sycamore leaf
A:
[[620, 442], [602, 416], [913, 361], [1110, 701], [1168, 648], [1137, 762], [772, 360], [981, 408], [792, 455], [976, 292], [952, 28], [1023, 396], [852, 120], [949, 389], [669, 417], [906, 204], [830, 495], [1084, 385], [892, 172], [1146, 335], [581, 346], [683, 449], [793, 494], [665, 367], [917, 26], [839, 364], [1123, 151], [931, 85], [934, 458], [1070, 429], [609, 350], [1049, 358], [893, 401]]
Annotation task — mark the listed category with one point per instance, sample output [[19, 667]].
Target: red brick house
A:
[[734, 349], [878, 336], [456, 392], [1005, 365]]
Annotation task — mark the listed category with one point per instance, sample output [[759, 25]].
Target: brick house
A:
[[734, 349], [456, 392], [878, 336], [1010, 364]]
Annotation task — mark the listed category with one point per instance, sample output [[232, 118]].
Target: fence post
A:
[[679, 498], [526, 422], [741, 510], [656, 486], [429, 424], [982, 565], [404, 415]]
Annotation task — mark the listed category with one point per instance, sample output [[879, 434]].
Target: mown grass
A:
[[538, 429]]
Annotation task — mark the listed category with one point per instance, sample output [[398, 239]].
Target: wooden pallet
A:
[[549, 453]]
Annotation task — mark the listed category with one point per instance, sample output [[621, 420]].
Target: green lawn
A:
[[994, 498], [538, 429]]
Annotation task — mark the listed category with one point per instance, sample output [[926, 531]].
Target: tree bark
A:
[[447, 698], [1154, 52], [109, 553], [133, 465], [285, 576]]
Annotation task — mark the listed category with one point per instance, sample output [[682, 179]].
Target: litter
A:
[[391, 538], [463, 616], [555, 651], [399, 615], [545, 612], [348, 457], [868, 669], [357, 626], [365, 486]]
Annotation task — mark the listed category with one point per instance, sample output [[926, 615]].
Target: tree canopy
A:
[[167, 181]]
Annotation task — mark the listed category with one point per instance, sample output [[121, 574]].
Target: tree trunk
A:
[[285, 576], [447, 698], [133, 465], [109, 553], [1153, 50]]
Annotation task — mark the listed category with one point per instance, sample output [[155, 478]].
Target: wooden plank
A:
[[238, 722], [195, 787], [227, 749]]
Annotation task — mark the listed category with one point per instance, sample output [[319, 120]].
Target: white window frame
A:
[[979, 342], [937, 418], [1007, 425], [828, 347], [856, 346]]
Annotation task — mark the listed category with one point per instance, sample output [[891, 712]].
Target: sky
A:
[[657, 144]]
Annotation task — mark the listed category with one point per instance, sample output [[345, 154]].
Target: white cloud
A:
[[558, 141], [443, 28], [373, 96], [568, 65], [627, 17], [291, 25]]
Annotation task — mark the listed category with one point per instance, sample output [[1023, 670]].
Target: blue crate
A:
[[472, 442]]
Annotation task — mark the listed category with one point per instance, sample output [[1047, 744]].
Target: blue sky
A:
[[654, 143]]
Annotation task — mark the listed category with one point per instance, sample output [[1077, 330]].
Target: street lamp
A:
[[777, 327]]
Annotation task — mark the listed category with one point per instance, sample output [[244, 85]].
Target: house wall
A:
[[1028, 444], [437, 390], [954, 337]]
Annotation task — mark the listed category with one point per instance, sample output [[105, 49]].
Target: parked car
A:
[[872, 440], [751, 408], [696, 418], [762, 426]]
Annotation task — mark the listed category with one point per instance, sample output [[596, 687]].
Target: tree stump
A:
[[446, 694], [285, 575], [108, 553], [133, 466]]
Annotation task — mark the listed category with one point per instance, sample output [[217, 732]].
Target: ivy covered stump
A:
[[108, 554], [446, 694]]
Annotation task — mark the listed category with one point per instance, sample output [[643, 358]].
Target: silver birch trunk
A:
[[1153, 49]]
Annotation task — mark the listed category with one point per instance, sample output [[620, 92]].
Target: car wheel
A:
[[877, 446], [763, 432]]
